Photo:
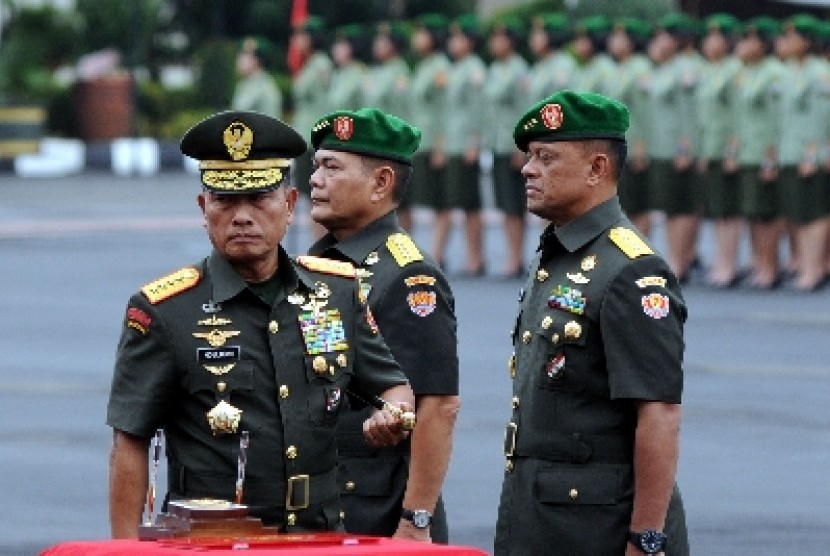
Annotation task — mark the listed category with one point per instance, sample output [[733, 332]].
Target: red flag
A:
[[299, 13]]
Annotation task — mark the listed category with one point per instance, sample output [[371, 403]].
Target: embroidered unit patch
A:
[[656, 305]]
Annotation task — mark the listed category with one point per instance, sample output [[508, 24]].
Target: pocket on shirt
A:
[[579, 487]]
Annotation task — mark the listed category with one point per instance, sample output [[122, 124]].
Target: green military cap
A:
[[395, 29], [677, 23], [241, 151], [509, 23], [551, 22], [763, 25], [260, 47], [312, 23], [805, 25], [594, 25], [634, 27], [432, 22], [572, 116], [467, 24], [724, 23], [350, 32], [367, 131]]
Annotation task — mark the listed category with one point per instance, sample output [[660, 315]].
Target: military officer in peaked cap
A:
[[247, 339], [363, 161], [592, 441]]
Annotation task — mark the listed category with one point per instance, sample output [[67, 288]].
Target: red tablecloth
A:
[[355, 547]]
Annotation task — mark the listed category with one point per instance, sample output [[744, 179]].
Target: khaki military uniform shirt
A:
[[629, 88], [504, 96], [548, 75], [594, 75], [600, 328], [415, 311], [284, 365], [426, 98], [386, 87], [716, 110], [258, 93], [805, 96], [757, 94], [464, 118], [345, 91], [310, 92]]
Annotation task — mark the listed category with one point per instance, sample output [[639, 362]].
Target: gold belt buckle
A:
[[289, 494], [510, 439]]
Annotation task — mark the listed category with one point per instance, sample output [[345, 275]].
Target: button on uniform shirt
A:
[[386, 87], [426, 98], [504, 86], [464, 118], [345, 91], [548, 75], [310, 92], [757, 95], [600, 327], [283, 365], [414, 309], [716, 110]]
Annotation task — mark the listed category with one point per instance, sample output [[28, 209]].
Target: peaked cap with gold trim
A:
[[571, 116], [242, 152]]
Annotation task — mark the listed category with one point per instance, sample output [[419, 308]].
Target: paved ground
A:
[[756, 434]]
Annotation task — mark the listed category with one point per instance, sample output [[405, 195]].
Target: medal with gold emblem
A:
[[238, 139], [573, 330], [224, 418], [588, 263]]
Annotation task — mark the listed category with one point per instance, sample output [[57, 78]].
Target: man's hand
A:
[[385, 429], [407, 530]]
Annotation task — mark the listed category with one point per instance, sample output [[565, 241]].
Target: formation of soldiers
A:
[[728, 123]]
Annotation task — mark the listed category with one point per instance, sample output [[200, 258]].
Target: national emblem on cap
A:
[[367, 131], [572, 116], [241, 151]]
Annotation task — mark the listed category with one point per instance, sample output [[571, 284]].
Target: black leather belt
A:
[[297, 493], [567, 448]]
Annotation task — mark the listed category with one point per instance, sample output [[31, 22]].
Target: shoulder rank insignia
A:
[[170, 285], [403, 249], [630, 243], [327, 266]]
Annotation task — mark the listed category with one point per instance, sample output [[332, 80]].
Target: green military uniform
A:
[[596, 73], [553, 72], [258, 93], [804, 100], [504, 100], [463, 122], [346, 86], [206, 355], [426, 111], [414, 309], [758, 88], [578, 374], [627, 87], [387, 85], [716, 114], [672, 129], [310, 92]]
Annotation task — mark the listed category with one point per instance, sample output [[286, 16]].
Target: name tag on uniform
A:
[[218, 356]]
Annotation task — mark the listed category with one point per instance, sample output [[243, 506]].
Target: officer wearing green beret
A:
[[426, 111], [310, 87], [363, 166], [805, 98], [248, 339], [256, 90], [758, 88], [463, 126], [592, 442], [554, 65], [504, 94], [626, 44], [717, 164], [346, 89]]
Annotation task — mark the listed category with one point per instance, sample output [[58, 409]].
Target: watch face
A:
[[652, 542], [421, 519]]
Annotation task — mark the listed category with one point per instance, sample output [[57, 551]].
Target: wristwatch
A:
[[419, 518], [649, 541]]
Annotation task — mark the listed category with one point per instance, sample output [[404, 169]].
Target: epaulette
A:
[[630, 243], [403, 249], [172, 284], [327, 266]]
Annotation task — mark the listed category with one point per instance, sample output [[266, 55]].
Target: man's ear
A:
[[600, 168], [200, 200], [384, 184], [290, 202]]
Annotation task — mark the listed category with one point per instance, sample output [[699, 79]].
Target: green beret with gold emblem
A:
[[242, 152], [367, 131], [572, 116]]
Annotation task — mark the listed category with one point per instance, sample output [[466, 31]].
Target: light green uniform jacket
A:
[[549, 75], [259, 93], [716, 110], [426, 98], [757, 93], [386, 87], [463, 110], [665, 100], [505, 82], [804, 108], [629, 88], [594, 75], [345, 90], [311, 93]]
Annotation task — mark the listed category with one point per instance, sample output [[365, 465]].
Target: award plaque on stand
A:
[[204, 518]]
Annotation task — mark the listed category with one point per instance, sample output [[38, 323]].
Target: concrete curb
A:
[[142, 156]]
